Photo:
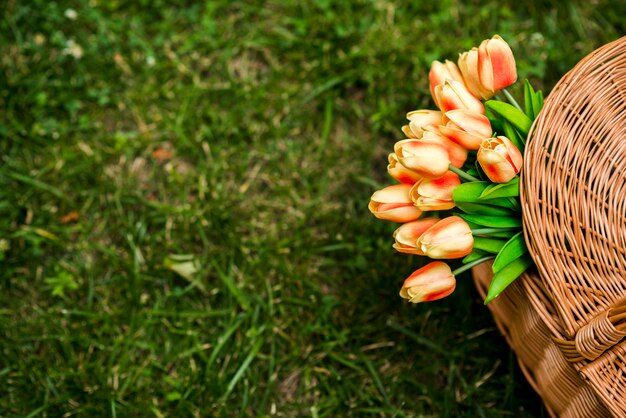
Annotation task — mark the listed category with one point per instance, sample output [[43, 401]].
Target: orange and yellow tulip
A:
[[456, 152], [454, 95], [449, 238], [466, 128], [468, 64], [499, 159], [426, 158], [435, 194], [409, 233], [400, 172], [393, 203], [496, 64], [431, 282], [439, 73], [419, 120]]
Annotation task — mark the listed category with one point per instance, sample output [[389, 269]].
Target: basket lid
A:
[[574, 188]]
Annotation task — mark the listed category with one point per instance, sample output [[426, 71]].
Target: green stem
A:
[[466, 267], [462, 173], [486, 231], [511, 99]]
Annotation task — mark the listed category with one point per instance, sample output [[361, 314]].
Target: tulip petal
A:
[[468, 64], [398, 193], [454, 95], [431, 282], [406, 236], [428, 159], [496, 64], [449, 238], [499, 159], [439, 73], [456, 153], [400, 172]]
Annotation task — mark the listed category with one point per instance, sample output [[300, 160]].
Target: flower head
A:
[[431, 282], [393, 203], [499, 159]]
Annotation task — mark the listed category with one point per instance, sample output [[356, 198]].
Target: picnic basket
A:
[[566, 318]]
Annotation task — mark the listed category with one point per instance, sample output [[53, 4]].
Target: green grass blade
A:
[[244, 366]]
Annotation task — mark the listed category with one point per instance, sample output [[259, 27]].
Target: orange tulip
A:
[[428, 159], [454, 95], [409, 233], [393, 203], [466, 128], [439, 73], [499, 159], [449, 238], [420, 120], [456, 152], [431, 282], [496, 64], [435, 194], [468, 64], [400, 172]]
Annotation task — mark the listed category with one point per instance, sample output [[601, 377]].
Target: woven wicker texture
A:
[[567, 322], [564, 392], [574, 197]]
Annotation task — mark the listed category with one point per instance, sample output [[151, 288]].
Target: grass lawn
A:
[[183, 198]]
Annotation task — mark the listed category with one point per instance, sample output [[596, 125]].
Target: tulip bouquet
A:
[[458, 191]]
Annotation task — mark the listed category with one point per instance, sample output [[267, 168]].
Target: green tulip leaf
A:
[[501, 190], [516, 139], [472, 172], [492, 221], [490, 245], [480, 171], [479, 209], [469, 192], [537, 103], [507, 275], [508, 112], [504, 202], [473, 256], [529, 94], [504, 233], [513, 249]]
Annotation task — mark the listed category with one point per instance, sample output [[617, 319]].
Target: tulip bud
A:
[[466, 128], [439, 73], [400, 172], [420, 120], [456, 153], [454, 95], [408, 234], [496, 64], [428, 159], [393, 203], [468, 64], [435, 194], [449, 238], [499, 159], [431, 282]]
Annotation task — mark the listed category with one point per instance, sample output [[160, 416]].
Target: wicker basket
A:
[[566, 321]]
